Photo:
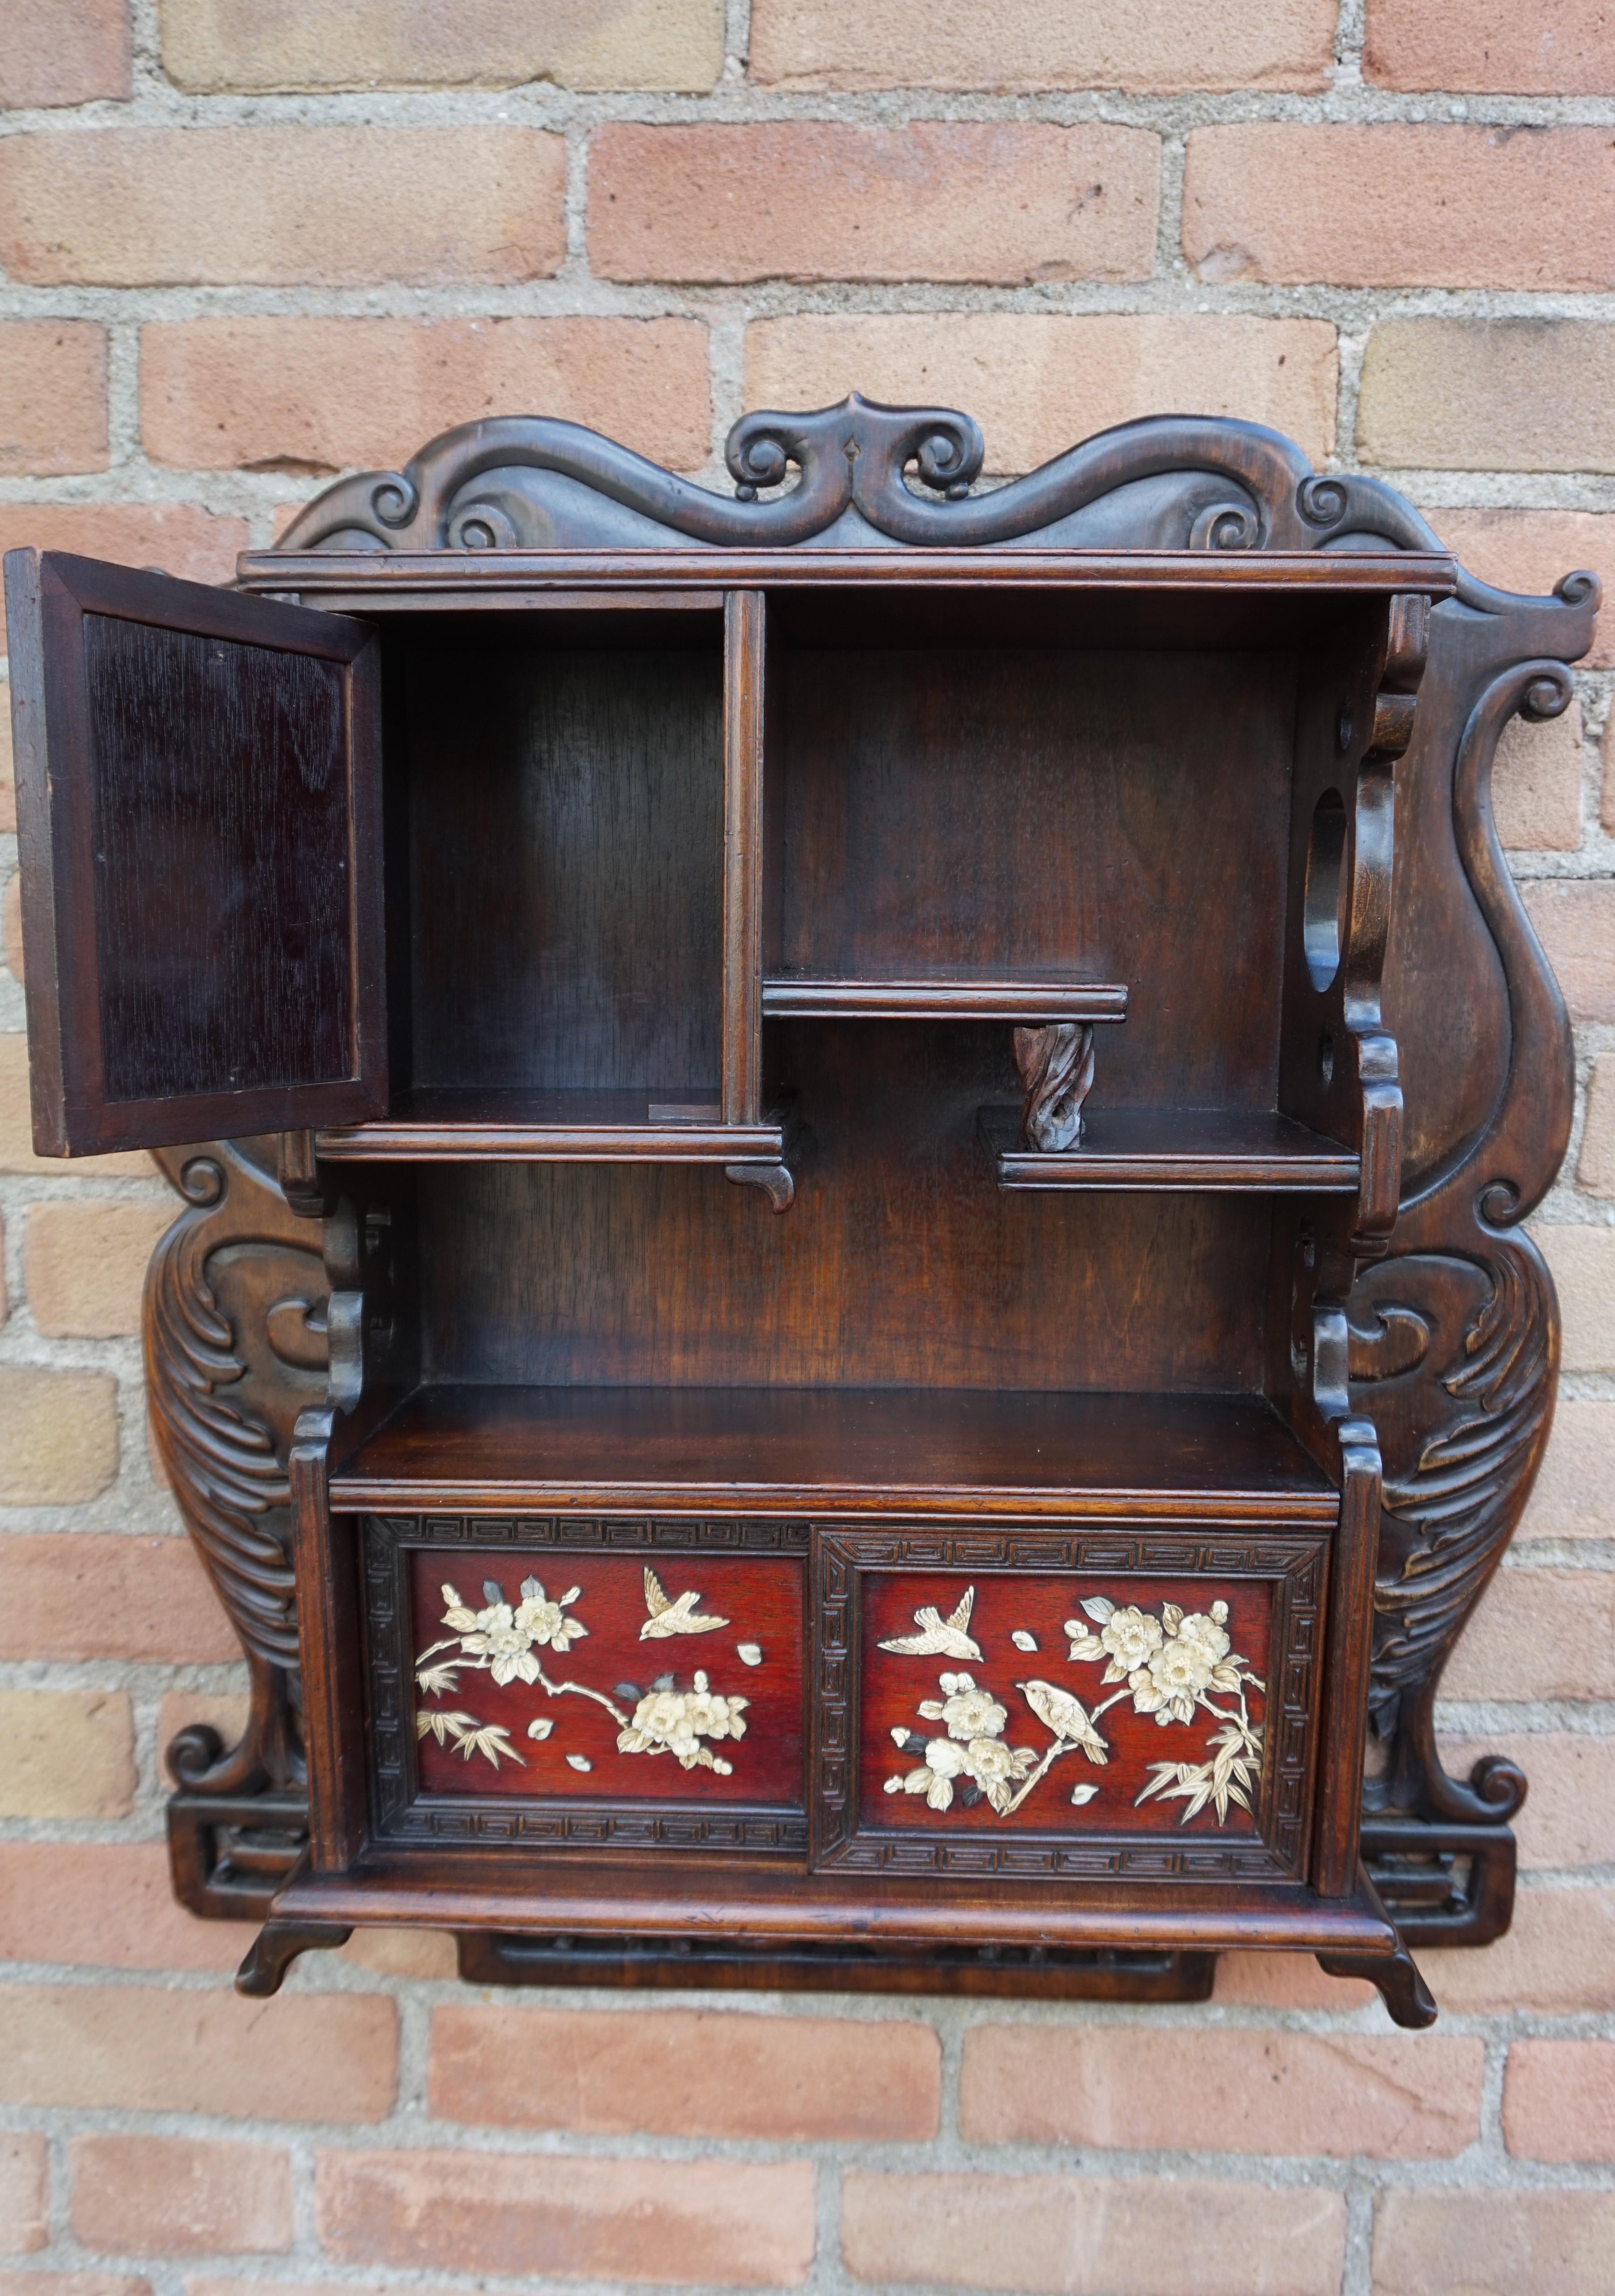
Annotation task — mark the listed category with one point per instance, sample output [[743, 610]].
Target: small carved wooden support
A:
[[1056, 1065]]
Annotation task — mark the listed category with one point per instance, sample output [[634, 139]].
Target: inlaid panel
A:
[[1080, 1703], [583, 1681]]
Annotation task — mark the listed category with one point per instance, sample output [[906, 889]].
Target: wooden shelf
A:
[[1255, 1152], [954, 996], [854, 1450], [554, 1128]]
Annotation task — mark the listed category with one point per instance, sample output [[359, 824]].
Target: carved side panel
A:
[[1453, 1339], [236, 1345]]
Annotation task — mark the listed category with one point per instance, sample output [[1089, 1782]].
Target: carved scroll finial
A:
[[1056, 1065]]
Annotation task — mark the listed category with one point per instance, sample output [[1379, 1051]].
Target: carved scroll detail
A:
[[1459, 1331], [1056, 1065], [234, 1343], [904, 473]]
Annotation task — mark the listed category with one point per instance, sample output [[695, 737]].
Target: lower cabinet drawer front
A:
[[1103, 1702]]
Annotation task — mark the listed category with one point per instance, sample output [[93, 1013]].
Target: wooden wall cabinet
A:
[[1011, 1541]]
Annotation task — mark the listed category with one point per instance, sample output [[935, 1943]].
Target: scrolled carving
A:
[[1458, 1333], [907, 472], [235, 1297]]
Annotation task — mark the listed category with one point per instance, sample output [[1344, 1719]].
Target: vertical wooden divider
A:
[[1349, 1637], [745, 632]]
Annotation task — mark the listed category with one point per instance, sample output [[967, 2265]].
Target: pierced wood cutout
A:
[[1447, 1344]]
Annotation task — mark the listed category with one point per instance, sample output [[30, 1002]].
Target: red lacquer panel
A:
[[609, 1678], [990, 1740]]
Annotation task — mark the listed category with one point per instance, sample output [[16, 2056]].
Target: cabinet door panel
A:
[[198, 810]]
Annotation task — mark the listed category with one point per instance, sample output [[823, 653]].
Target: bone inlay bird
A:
[[674, 1618], [939, 1637]]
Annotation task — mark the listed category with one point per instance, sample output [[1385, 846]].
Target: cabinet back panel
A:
[[566, 841], [1123, 814], [223, 908], [900, 1262]]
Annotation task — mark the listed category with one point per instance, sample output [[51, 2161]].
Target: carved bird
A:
[[674, 1618], [939, 1637]]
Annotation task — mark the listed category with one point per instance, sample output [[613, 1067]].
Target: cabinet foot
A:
[[1407, 1997], [276, 1947]]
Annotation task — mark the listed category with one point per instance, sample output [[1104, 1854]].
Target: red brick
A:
[[1539, 1634], [25, 2193], [1027, 45], [324, 2057], [260, 44], [1237, 2091], [105, 1904], [1286, 1981], [61, 1430], [57, 51], [1559, 2100], [1569, 1817], [1606, 758], [16, 1122], [68, 1754], [1402, 206], [811, 200], [328, 394], [689, 2074], [175, 537], [1093, 2235], [1582, 1259], [73, 2284], [429, 1954], [1496, 2243], [1558, 1957], [1536, 783], [717, 2223], [84, 1595], [1490, 47], [1038, 381], [84, 1265], [1575, 921], [53, 396], [1528, 550], [154, 206], [1484, 394], [1574, 1493], [11, 928], [180, 2195], [1595, 1165]]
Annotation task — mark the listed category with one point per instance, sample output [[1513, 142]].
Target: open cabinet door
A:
[[199, 809]]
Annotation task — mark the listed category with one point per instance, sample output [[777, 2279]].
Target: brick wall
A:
[[246, 244]]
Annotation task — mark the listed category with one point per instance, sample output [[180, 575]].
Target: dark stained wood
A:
[[666, 1276], [1053, 812], [565, 909], [605, 1126], [375, 578], [724, 1450], [199, 794], [1184, 1148], [745, 712], [954, 994], [704, 845]]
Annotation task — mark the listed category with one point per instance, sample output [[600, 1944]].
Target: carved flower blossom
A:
[[674, 1722], [1189, 1663], [544, 1621], [968, 1712]]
